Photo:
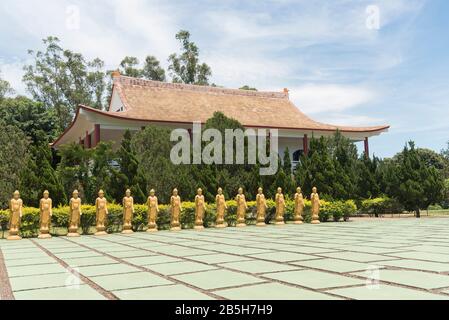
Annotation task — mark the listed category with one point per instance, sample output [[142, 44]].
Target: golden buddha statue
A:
[[128, 212], [15, 207], [261, 205], [46, 211], [315, 199], [153, 210], [241, 208], [74, 214], [280, 207], [101, 206], [299, 207], [200, 209], [176, 207], [221, 209]]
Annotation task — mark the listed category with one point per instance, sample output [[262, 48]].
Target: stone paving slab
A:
[[364, 259]]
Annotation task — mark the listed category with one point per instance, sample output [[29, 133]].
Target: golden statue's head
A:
[[128, 192], [199, 191], [260, 190], [240, 190], [46, 194], [298, 190], [279, 190], [101, 193], [16, 194], [152, 192], [175, 192], [220, 190], [75, 193], [314, 190]]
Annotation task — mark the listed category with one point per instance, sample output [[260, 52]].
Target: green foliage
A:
[[412, 182], [185, 67], [380, 206], [5, 88], [14, 155], [33, 118], [62, 79], [246, 87]]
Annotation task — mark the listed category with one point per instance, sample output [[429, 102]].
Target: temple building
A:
[[136, 103]]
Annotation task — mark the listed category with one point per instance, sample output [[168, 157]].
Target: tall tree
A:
[[13, 159], [127, 175], [185, 67], [62, 79], [129, 67], [152, 69], [5, 88], [33, 118], [412, 182]]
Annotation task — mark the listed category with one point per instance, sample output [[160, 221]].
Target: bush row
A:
[[60, 219]]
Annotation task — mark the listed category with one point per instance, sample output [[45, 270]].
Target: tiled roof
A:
[[172, 102]]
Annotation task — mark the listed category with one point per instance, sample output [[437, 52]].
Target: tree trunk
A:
[[418, 213]]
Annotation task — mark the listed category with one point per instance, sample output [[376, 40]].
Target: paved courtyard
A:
[[364, 259]]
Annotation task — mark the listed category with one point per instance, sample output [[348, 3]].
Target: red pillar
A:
[[305, 145], [87, 142], [366, 147], [97, 132]]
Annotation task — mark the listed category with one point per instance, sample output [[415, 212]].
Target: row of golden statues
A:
[[101, 205]]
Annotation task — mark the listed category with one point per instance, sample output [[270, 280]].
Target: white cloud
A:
[[13, 73], [313, 98]]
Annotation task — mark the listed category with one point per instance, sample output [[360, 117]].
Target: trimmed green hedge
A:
[[60, 219], [379, 206]]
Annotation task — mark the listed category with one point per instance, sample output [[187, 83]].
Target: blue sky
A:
[[338, 70]]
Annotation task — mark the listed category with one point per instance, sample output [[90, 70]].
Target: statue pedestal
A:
[[100, 233], [73, 234], [14, 237], [297, 222], [279, 223], [198, 227], [152, 229], [241, 225], [220, 225], [261, 224], [127, 231], [44, 236], [315, 222], [175, 229]]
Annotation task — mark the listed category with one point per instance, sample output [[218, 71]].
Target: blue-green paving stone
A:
[[78, 254], [82, 292], [89, 261], [417, 265], [117, 268], [129, 281], [217, 279], [218, 258], [356, 256], [272, 291], [171, 292], [282, 256], [418, 279], [436, 257], [153, 259], [386, 292], [19, 271], [41, 281], [258, 266], [130, 253], [314, 279], [179, 267], [30, 261], [334, 265], [13, 255]]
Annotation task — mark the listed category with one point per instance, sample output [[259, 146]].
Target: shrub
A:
[[379, 206]]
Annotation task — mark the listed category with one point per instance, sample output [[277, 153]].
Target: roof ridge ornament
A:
[[130, 81]]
